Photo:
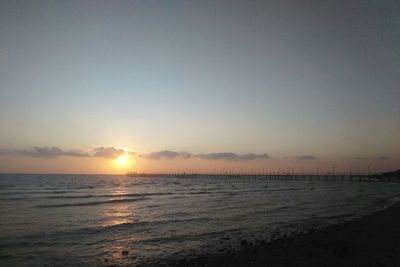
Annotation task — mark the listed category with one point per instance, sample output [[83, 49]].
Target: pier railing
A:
[[270, 176]]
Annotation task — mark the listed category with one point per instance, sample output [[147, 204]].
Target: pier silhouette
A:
[[278, 176]]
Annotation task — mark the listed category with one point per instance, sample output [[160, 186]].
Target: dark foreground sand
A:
[[373, 240]]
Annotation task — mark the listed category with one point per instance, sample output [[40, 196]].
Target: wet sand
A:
[[373, 240]]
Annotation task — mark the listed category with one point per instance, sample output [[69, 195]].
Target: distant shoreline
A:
[[372, 240]]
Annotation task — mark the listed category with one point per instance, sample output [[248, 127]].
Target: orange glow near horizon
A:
[[127, 161], [124, 161]]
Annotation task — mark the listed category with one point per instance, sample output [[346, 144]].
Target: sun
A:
[[122, 160]]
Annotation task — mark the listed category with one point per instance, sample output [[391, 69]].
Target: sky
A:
[[199, 85]]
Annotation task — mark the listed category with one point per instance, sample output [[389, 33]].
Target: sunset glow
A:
[[199, 133], [123, 161], [240, 87]]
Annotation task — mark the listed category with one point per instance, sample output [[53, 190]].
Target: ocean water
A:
[[104, 220]]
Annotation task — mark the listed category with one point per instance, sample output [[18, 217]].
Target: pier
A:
[[366, 177]]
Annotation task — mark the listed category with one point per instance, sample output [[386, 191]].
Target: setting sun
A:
[[122, 161]]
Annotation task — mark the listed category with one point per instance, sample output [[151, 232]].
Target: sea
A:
[[114, 220]]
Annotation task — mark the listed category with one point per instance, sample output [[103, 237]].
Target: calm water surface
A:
[[100, 220]]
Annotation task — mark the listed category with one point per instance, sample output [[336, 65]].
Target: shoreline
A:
[[371, 240]]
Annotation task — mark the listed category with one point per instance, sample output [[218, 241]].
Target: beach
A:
[[372, 240]]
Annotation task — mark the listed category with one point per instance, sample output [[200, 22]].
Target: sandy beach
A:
[[373, 240]]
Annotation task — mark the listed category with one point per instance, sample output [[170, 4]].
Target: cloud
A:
[[230, 156], [306, 157], [357, 158], [108, 152], [54, 152], [368, 158], [112, 152], [382, 158], [45, 152], [167, 154]]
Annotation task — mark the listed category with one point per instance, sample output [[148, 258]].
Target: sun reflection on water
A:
[[120, 251], [118, 213]]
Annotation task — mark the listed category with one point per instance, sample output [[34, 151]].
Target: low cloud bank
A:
[[55, 152], [166, 154], [45, 152], [112, 152], [230, 156], [368, 158], [306, 157], [107, 152], [51, 152]]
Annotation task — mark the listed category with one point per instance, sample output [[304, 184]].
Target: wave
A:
[[92, 203], [109, 195], [235, 192], [31, 239], [15, 198], [286, 189], [194, 236], [69, 197], [36, 192]]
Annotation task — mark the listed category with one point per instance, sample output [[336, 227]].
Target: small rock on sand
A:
[[125, 252]]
